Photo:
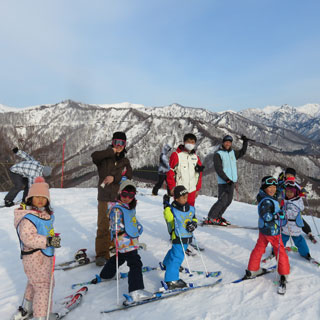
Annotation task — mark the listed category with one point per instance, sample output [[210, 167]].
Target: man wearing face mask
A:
[[225, 164], [186, 168]]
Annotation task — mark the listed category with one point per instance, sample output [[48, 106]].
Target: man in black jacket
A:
[[225, 164], [111, 164]]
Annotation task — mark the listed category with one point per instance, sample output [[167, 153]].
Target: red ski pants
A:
[[260, 248], [192, 198]]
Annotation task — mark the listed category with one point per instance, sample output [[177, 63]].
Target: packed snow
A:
[[226, 249]]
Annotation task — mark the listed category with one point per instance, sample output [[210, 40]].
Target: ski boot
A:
[[312, 238], [223, 220], [135, 296], [253, 274], [81, 257], [282, 285], [178, 284], [191, 251], [140, 295], [24, 312], [214, 222], [8, 203]]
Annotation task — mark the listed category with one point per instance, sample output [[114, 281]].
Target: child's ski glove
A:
[[54, 242], [191, 226], [166, 201], [280, 215]]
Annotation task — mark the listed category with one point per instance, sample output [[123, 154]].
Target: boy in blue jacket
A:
[[271, 219], [181, 222]]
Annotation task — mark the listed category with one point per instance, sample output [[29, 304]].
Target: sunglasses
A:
[[118, 143], [271, 181], [127, 194]]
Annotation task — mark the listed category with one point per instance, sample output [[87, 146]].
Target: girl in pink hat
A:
[[34, 224]]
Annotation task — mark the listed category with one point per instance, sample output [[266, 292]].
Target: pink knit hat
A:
[[39, 189]]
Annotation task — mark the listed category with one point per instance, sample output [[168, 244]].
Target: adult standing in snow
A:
[[225, 164], [23, 174], [164, 167], [110, 163], [186, 168]]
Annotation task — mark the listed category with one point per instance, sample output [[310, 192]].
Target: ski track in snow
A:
[[227, 250]]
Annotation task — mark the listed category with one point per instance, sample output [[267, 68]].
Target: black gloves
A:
[[166, 201], [245, 139], [198, 168], [229, 182], [191, 226], [54, 241], [15, 150]]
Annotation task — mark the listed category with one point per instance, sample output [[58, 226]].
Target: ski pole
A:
[[117, 257], [278, 253], [185, 256], [200, 254], [51, 283]]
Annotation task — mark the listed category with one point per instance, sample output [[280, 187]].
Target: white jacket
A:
[[292, 209]]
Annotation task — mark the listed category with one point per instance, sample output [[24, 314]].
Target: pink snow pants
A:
[[38, 269]]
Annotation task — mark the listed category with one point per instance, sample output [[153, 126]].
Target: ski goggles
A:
[[119, 142], [289, 183], [127, 194], [271, 181]]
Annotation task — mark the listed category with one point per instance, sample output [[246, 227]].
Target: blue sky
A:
[[218, 54]]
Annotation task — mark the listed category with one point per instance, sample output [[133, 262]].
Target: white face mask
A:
[[189, 146]]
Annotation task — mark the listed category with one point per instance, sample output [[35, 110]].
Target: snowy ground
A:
[[227, 250]]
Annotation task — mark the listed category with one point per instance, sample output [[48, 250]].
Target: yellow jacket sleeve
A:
[[168, 216]]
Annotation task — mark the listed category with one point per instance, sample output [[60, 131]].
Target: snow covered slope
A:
[[226, 249]]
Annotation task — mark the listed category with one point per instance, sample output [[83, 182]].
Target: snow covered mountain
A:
[[42, 130], [4, 108], [304, 120]]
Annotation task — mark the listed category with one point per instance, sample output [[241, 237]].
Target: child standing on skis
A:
[[34, 224], [290, 175], [271, 219], [125, 232], [293, 206], [181, 222]]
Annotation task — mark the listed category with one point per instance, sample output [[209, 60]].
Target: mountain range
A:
[[284, 136]]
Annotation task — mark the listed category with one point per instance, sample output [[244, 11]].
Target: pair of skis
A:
[[70, 302], [231, 226], [64, 305], [162, 293], [281, 284], [124, 275]]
